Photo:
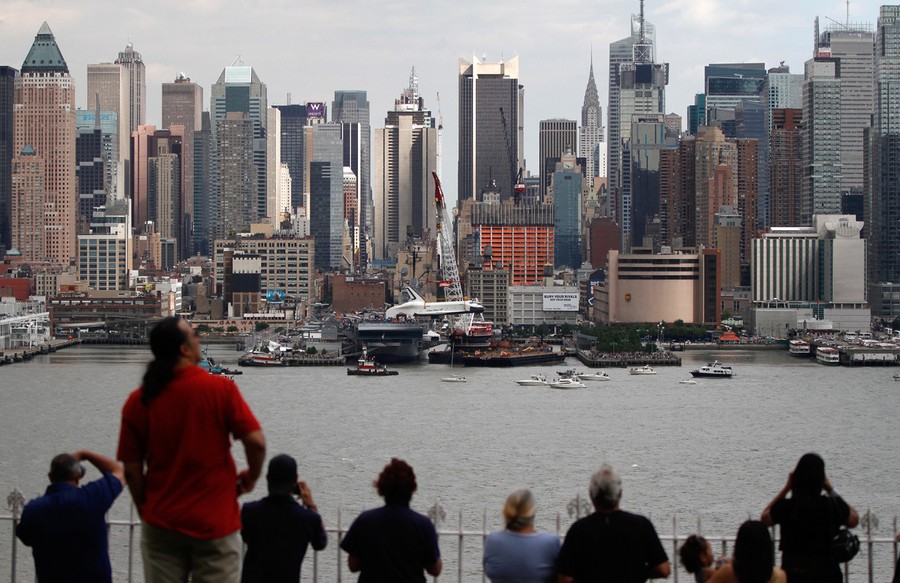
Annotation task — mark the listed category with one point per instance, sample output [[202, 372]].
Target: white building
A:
[[531, 305]]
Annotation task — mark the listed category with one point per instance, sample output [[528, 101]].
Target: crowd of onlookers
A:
[[174, 454]]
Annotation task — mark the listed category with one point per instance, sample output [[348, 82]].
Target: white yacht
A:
[[714, 369], [642, 370], [453, 379], [566, 383], [592, 376], [536, 380]]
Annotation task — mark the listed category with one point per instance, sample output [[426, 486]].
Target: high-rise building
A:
[[235, 185], [137, 83], [821, 135], [881, 204], [786, 179], [108, 89], [352, 107], [555, 138], [105, 252], [91, 167], [517, 238], [202, 152], [87, 121], [44, 120], [324, 186], [851, 45], [27, 214], [239, 90], [491, 126], [590, 145], [274, 182], [640, 180], [782, 90], [182, 104], [293, 120], [7, 99], [637, 85], [405, 157], [727, 84], [567, 184]]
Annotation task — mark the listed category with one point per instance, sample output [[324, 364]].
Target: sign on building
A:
[[561, 302]]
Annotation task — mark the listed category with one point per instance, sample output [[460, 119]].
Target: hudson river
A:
[[717, 451]]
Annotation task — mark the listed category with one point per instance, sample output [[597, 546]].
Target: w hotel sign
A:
[[315, 110]]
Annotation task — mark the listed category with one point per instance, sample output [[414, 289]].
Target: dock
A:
[[626, 359]]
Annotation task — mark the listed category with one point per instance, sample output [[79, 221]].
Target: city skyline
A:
[[553, 73]]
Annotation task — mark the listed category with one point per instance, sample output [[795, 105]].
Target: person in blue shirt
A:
[[520, 554], [66, 527]]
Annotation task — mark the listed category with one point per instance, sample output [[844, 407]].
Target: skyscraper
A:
[[782, 90], [786, 168], [293, 120], [235, 185], [821, 132], [44, 119], [7, 99], [182, 104], [239, 90], [637, 85], [566, 181], [324, 177], [555, 138], [90, 147], [726, 85], [108, 88], [590, 144], [137, 86], [491, 126], [881, 203], [352, 107], [405, 157], [851, 45]]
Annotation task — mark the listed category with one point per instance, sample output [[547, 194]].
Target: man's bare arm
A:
[[255, 450]]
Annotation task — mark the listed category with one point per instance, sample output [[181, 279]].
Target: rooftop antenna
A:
[[237, 62], [641, 23], [848, 13], [289, 98]]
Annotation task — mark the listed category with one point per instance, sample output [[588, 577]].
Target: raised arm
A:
[[105, 464], [766, 516], [255, 450]]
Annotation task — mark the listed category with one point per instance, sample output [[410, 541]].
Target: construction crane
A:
[[518, 185], [452, 285], [440, 134]]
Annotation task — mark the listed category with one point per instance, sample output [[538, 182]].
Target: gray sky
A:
[[311, 49]]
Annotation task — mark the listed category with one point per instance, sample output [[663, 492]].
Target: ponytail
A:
[[166, 339]]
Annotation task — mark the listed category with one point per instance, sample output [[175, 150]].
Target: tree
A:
[[726, 314], [203, 328], [311, 350], [231, 329], [260, 326]]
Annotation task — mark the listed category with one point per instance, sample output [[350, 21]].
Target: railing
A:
[[462, 549]]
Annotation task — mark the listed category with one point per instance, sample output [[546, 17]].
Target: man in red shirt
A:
[[175, 443]]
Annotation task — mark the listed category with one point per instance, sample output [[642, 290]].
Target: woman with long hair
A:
[[808, 522], [754, 558]]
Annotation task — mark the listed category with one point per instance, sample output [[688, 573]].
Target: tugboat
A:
[[714, 369], [367, 367]]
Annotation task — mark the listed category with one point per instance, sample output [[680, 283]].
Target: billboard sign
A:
[[561, 302], [315, 110], [274, 296]]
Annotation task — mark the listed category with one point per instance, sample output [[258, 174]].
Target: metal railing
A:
[[462, 548]]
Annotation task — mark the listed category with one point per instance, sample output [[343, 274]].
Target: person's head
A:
[[754, 555], [396, 482], [518, 511], [606, 488], [696, 553], [65, 468], [808, 478], [282, 475], [173, 342]]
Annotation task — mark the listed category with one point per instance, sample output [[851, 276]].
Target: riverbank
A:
[[26, 353]]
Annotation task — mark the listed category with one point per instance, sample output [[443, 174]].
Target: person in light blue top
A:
[[520, 554]]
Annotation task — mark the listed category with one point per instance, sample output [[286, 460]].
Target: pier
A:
[[626, 359], [26, 353]]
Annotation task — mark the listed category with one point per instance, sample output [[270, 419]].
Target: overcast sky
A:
[[310, 49]]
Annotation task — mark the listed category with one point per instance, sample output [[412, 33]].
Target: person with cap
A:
[[520, 553], [278, 529], [66, 527]]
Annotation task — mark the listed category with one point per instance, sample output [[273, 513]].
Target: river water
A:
[[716, 451]]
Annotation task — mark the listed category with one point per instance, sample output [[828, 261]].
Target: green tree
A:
[[311, 350], [260, 326], [231, 329], [204, 328]]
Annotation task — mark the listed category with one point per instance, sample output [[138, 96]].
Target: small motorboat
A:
[[566, 383], [536, 380], [897, 376], [369, 368], [454, 379], [687, 382], [569, 372], [642, 370], [593, 376]]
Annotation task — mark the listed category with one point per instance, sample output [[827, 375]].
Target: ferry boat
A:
[[828, 355], [714, 369], [799, 348]]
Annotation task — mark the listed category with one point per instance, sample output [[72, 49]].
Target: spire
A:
[[44, 56], [591, 95]]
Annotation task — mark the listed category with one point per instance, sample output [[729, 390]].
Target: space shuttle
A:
[[418, 307]]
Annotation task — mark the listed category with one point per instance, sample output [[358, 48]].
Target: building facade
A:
[[44, 120], [821, 139], [109, 89], [285, 264], [591, 144], [519, 239], [7, 100], [556, 137], [137, 82]]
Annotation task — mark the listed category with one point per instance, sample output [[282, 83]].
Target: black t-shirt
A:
[[618, 546], [277, 530], [393, 544], [807, 527]]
